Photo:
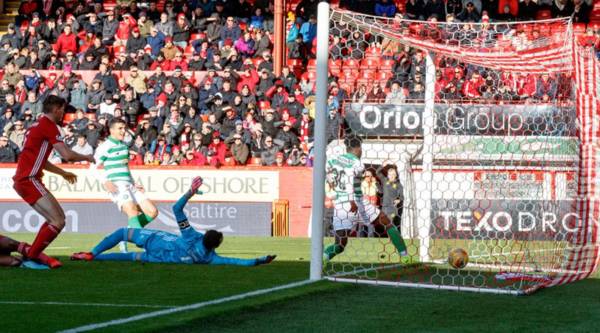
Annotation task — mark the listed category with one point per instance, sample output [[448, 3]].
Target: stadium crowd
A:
[[145, 58]]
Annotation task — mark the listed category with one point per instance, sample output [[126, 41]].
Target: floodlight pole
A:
[[320, 143]]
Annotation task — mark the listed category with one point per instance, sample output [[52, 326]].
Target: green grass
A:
[[319, 307]]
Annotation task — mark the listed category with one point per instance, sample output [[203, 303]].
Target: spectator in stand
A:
[[107, 107], [385, 8], [360, 95], [15, 131], [244, 45], [454, 7], [12, 36], [491, 7], [8, 150], [334, 123], [471, 87], [156, 40], [581, 12], [308, 30], [527, 10], [306, 8], [170, 50], [181, 31], [298, 49], [106, 77], [436, 9], [269, 152], [93, 134], [26, 10], [377, 93], [165, 26], [396, 95], [67, 42], [239, 150], [305, 127], [469, 14], [561, 8], [231, 31], [80, 122], [83, 147], [135, 42], [545, 88], [217, 150], [109, 28]]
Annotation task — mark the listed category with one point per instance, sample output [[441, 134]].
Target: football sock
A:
[[333, 250], [110, 241], [24, 248], [45, 236], [134, 222], [130, 256], [144, 219], [397, 240]]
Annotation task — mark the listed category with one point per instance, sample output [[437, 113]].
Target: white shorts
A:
[[343, 219], [127, 193]]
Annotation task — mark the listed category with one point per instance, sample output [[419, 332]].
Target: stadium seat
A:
[[543, 14], [312, 65], [189, 50], [387, 64], [383, 76], [69, 117], [198, 36], [370, 63], [118, 50], [373, 52], [254, 161], [350, 64], [579, 28]]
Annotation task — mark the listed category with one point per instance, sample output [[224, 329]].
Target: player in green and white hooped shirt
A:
[[113, 154], [344, 174]]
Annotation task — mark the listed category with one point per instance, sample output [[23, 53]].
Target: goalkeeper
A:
[[191, 247]]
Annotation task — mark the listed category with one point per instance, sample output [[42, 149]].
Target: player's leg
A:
[[9, 261], [8, 245], [343, 221], [393, 233], [148, 211], [129, 256], [50, 209], [341, 240]]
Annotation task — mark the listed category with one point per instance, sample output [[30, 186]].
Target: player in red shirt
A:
[[41, 138]]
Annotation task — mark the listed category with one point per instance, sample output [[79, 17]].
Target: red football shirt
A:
[[37, 147]]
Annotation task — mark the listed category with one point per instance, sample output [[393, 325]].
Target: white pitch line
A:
[[195, 306], [87, 304]]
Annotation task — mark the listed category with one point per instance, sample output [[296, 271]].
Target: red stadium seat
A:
[[384, 76], [256, 62], [292, 63], [543, 14], [370, 63], [387, 64], [351, 63], [254, 161], [312, 65], [189, 50], [69, 117], [373, 52], [198, 36]]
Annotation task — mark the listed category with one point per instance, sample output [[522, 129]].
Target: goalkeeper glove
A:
[[196, 183], [266, 259]]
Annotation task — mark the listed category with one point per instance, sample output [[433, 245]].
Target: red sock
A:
[[45, 236], [24, 249]]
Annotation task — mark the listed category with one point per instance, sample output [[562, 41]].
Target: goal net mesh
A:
[[476, 136]]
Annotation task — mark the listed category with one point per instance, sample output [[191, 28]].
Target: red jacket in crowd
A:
[[66, 43]]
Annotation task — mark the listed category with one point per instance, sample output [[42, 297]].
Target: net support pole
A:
[[424, 218], [320, 143]]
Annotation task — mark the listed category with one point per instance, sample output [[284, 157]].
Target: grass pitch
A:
[[84, 293]]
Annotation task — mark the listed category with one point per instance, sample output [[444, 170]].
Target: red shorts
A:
[[30, 189]]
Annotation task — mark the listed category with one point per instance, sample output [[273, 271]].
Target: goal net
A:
[[473, 136]]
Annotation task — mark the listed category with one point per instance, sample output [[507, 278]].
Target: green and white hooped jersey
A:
[[344, 174], [114, 155]]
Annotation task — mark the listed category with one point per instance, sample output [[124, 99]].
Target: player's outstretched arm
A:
[[70, 156], [180, 216], [70, 177], [218, 260]]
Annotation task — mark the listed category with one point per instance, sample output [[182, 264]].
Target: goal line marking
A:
[[189, 307], [87, 304]]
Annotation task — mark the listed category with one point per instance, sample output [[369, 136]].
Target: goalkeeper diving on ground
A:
[[192, 247]]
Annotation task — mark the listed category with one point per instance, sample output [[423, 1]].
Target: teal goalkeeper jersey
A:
[[344, 174], [114, 155]]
